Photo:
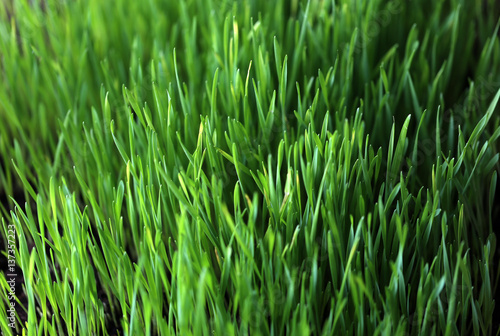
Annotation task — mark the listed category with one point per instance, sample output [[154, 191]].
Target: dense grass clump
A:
[[210, 167]]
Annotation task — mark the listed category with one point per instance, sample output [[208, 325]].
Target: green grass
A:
[[250, 168]]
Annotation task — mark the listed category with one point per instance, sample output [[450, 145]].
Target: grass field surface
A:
[[214, 167]]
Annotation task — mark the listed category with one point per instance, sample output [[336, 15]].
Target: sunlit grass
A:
[[263, 167]]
